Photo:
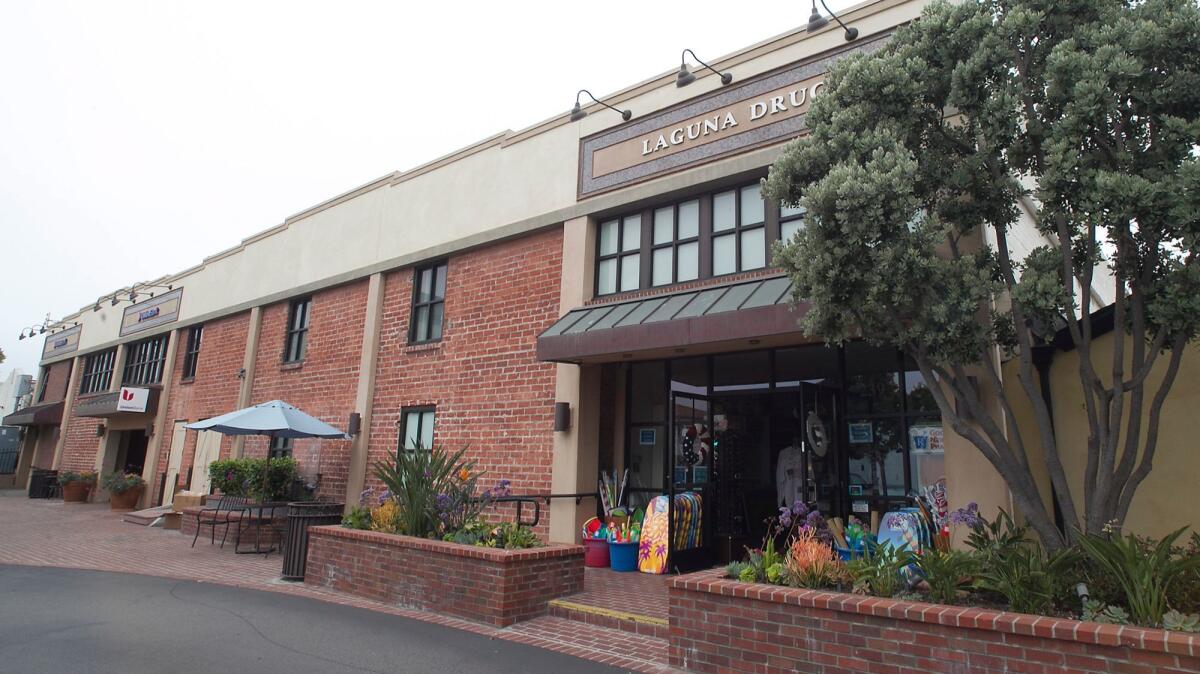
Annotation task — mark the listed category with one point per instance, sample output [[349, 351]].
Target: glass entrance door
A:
[[689, 479]]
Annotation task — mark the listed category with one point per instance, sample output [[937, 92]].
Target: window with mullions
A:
[[296, 340], [676, 244], [280, 448], [739, 231], [192, 356], [791, 221], [429, 304], [619, 261], [97, 372], [416, 428], [144, 361]]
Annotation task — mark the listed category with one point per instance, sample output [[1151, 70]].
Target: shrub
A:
[[945, 571], [1144, 576], [119, 483], [67, 477], [1025, 577], [507, 535], [244, 477], [359, 517], [386, 517], [415, 478], [878, 571], [810, 562]]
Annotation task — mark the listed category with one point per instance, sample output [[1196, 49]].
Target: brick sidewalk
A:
[[35, 532]]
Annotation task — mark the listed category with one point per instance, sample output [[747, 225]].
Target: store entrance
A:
[[769, 451]]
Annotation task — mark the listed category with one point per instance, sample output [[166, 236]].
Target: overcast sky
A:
[[138, 137]]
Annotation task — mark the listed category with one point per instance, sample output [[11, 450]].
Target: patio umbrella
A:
[[274, 419]]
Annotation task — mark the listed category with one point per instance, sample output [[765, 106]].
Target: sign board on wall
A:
[[133, 399], [59, 343], [765, 110], [151, 313]]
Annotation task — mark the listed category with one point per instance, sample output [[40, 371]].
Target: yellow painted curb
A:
[[608, 612]]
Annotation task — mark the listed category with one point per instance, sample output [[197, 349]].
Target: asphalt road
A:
[[65, 620]]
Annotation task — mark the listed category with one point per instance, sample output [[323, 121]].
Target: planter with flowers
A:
[[424, 542], [124, 490], [76, 487], [1112, 603]]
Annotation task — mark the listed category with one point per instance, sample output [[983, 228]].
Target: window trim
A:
[[280, 448], [145, 361], [300, 334], [96, 376], [191, 355], [704, 238], [402, 425], [442, 267]]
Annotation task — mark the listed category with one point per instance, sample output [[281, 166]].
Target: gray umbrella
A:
[[274, 419]]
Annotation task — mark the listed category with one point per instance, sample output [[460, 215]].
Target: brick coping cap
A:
[[497, 555], [1178, 643]]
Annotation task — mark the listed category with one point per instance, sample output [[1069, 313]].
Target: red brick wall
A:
[[498, 587], [323, 385], [491, 392], [727, 626], [79, 448], [213, 391], [58, 376]]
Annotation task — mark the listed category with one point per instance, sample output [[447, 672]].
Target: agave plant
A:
[[1144, 577], [415, 478]]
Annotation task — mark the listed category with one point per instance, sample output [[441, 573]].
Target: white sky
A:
[[138, 137]]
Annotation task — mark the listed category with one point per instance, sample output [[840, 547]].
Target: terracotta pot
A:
[[76, 492], [126, 500]]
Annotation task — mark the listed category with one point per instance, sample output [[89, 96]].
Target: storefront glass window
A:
[[876, 447], [873, 379], [812, 364], [750, 371], [648, 392], [690, 375]]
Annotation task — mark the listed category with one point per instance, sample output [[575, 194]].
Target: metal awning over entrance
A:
[[46, 414], [740, 311]]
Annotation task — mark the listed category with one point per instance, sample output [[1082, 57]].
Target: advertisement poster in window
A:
[[861, 433]]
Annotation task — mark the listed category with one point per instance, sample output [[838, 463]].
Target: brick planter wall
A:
[[269, 537], [724, 625], [497, 587]]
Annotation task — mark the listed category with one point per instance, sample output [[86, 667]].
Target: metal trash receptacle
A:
[[41, 482], [300, 517]]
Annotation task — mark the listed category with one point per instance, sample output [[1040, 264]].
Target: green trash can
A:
[[300, 517]]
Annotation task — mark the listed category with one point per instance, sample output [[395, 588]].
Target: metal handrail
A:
[[536, 500]]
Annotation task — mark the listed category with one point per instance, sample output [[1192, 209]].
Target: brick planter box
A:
[[497, 587], [271, 533], [725, 625]]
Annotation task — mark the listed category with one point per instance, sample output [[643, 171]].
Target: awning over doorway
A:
[[746, 311], [46, 414], [109, 404]]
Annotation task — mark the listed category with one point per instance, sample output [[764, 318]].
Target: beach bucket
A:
[[623, 556], [595, 553]]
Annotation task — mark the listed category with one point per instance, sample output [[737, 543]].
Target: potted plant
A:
[[125, 489], [76, 486]]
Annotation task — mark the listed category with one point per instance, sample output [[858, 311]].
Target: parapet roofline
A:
[[509, 137]]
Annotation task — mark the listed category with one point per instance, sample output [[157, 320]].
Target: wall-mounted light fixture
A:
[[578, 113], [562, 417], [354, 424], [99, 430], [47, 324], [685, 76], [816, 21]]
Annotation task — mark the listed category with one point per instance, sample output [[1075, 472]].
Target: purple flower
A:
[[968, 516], [785, 517]]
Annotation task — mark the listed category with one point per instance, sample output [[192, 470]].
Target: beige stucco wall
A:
[[511, 182], [1163, 502]]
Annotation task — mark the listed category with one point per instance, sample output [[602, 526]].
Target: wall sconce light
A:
[[816, 21], [685, 77], [354, 424], [562, 417], [578, 113], [99, 430], [241, 373]]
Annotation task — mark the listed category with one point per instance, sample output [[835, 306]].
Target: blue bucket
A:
[[623, 556]]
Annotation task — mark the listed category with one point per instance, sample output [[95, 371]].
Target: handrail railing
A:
[[536, 500]]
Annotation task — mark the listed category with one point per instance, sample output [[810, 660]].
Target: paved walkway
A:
[[37, 532]]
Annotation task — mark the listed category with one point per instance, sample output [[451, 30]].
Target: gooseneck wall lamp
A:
[[118, 297], [49, 325], [685, 76], [816, 21], [578, 113]]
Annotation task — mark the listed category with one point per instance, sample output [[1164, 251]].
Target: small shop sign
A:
[[861, 433], [61, 343], [133, 399], [151, 313], [647, 437]]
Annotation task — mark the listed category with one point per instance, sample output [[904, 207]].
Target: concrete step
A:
[[570, 608], [147, 516]]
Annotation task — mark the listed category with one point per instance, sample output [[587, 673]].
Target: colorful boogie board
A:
[[652, 551]]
